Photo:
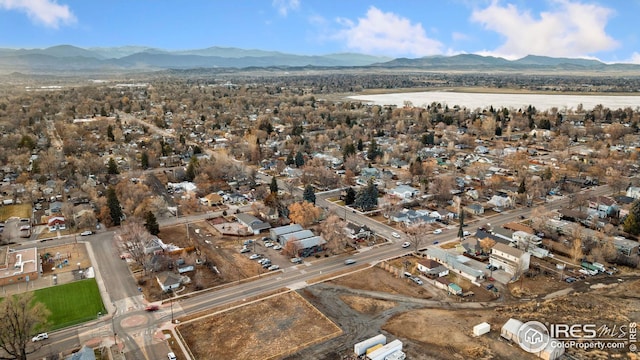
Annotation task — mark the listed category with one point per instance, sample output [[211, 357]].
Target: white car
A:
[[86, 233], [245, 249], [171, 356], [437, 231], [39, 337], [395, 235], [277, 247], [255, 256], [274, 267], [406, 244], [269, 244]]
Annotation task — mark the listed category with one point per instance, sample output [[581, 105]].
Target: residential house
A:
[[501, 201], [442, 215], [475, 209], [432, 268], [513, 261], [212, 199], [368, 173], [354, 231], [410, 217], [633, 192], [269, 213], [56, 223], [404, 192], [168, 281], [454, 263], [254, 224], [605, 206], [625, 246], [55, 207]]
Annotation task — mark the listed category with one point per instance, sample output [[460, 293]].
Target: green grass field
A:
[[71, 303], [21, 211]]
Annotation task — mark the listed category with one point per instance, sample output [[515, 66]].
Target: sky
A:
[[597, 29]]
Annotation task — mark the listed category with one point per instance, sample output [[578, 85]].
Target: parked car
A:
[[349, 262], [277, 247], [245, 249], [269, 244], [274, 267], [408, 274], [255, 256], [151, 308], [416, 280], [171, 356], [39, 337], [436, 242], [406, 244], [395, 235], [296, 260], [570, 279], [248, 242], [490, 286], [86, 233], [263, 260], [437, 231], [266, 264], [466, 233]]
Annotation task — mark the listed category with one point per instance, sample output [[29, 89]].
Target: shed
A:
[[510, 329], [481, 329], [455, 289]]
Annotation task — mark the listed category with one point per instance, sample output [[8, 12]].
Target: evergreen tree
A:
[[360, 145], [110, 133], [151, 223], [273, 187], [348, 150], [144, 160], [299, 160], [631, 224], [374, 151], [350, 196], [309, 195], [522, 188], [192, 169], [367, 197], [428, 138], [289, 160], [114, 206], [498, 131], [461, 220], [112, 167]]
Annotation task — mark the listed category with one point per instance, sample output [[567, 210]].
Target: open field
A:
[[267, 329], [19, 210], [71, 303]]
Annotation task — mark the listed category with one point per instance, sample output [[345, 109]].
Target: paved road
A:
[[123, 293]]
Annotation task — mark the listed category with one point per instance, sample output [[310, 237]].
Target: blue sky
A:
[[605, 29]]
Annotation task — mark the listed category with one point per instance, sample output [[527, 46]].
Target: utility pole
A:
[[113, 325]]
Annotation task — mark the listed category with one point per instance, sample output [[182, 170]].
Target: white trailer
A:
[[481, 329], [361, 347], [383, 352]]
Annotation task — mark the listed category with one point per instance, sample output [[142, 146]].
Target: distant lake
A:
[[516, 101]]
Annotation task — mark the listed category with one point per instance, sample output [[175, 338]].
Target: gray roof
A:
[[450, 261], [310, 242], [298, 235], [286, 229]]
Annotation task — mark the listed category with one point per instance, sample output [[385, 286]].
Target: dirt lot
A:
[[436, 330], [377, 279], [266, 329]]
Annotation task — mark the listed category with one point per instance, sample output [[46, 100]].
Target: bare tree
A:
[[416, 234], [22, 316], [332, 231], [135, 238], [487, 244]]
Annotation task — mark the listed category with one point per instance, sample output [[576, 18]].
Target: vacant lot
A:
[[377, 279], [267, 329], [71, 303], [20, 210]]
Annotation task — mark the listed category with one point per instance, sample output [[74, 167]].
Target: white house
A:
[[404, 192], [510, 259], [633, 192], [504, 202], [168, 281], [432, 267]]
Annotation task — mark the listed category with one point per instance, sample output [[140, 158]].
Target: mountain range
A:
[[67, 58]]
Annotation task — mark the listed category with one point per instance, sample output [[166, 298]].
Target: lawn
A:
[[71, 303], [21, 211]]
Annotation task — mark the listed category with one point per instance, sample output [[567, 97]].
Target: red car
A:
[[152, 308]]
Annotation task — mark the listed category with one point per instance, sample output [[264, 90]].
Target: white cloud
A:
[[458, 36], [387, 34], [47, 12], [635, 58], [569, 29], [284, 6]]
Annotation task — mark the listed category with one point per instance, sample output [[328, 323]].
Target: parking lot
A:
[[259, 249]]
